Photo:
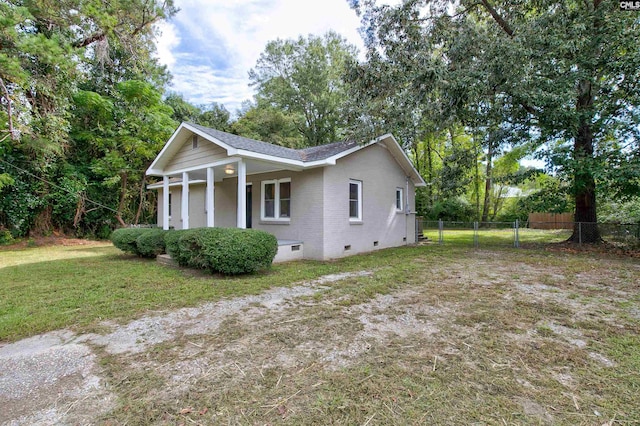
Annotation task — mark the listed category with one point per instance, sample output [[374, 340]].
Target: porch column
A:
[[242, 195], [185, 200], [210, 197], [165, 202]]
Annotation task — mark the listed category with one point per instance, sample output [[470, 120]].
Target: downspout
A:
[[407, 212]]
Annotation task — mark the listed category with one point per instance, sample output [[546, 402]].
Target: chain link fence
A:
[[517, 233]]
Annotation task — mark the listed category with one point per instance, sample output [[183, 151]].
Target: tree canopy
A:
[[77, 85], [560, 76], [469, 87], [303, 78]]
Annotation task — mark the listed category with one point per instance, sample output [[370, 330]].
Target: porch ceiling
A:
[[253, 167]]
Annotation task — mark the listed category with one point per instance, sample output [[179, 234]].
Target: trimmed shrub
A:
[[126, 239], [171, 240], [240, 251], [151, 242], [190, 247], [229, 251]]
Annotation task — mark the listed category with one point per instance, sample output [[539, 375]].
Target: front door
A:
[[249, 204]]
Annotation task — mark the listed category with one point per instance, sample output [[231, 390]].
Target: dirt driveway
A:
[[53, 378], [484, 340]]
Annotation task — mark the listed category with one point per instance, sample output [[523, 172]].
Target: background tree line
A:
[[469, 89]]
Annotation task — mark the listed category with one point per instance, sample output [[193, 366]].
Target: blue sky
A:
[[211, 45]]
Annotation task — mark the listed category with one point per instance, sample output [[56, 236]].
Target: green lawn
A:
[[48, 288]]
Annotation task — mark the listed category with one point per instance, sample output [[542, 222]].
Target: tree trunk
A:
[[585, 229], [498, 201], [123, 194], [429, 173], [140, 200], [487, 184], [477, 174]]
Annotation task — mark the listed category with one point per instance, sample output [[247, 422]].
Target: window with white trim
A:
[[355, 200], [399, 199], [275, 200]]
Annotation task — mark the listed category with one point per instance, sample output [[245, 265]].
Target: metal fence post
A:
[[516, 231], [475, 234], [580, 233], [440, 229]]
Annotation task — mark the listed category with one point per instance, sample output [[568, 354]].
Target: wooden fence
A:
[[551, 220]]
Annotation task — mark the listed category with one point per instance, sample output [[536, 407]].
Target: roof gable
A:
[[317, 156]]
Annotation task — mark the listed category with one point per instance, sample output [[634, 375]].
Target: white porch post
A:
[[165, 202], [210, 197], [185, 200], [242, 194]]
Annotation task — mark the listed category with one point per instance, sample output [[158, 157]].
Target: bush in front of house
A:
[[126, 239], [144, 242], [228, 251], [171, 243], [190, 247], [151, 242], [239, 251]]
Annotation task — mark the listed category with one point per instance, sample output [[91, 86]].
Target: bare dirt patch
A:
[[51, 379], [52, 240]]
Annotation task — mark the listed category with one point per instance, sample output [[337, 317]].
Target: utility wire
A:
[[57, 186]]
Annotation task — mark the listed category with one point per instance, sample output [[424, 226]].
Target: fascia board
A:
[[271, 159], [153, 172], [225, 161], [402, 158], [159, 185], [332, 160], [153, 169]]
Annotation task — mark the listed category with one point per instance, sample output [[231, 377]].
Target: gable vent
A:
[[194, 141]]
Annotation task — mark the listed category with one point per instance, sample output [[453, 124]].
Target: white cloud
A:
[[211, 45], [167, 41]]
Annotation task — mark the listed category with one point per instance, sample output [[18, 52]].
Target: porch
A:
[[187, 199], [219, 194]]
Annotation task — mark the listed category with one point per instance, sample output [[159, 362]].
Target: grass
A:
[[501, 353], [77, 287], [498, 237], [435, 334]]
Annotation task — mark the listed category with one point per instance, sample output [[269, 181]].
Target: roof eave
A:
[[157, 166], [270, 158]]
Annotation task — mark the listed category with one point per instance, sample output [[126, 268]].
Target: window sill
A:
[[355, 222], [274, 222]]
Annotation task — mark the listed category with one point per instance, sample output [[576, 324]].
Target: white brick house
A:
[[321, 202]]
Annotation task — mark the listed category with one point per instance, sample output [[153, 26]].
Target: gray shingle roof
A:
[[323, 152], [315, 153]]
